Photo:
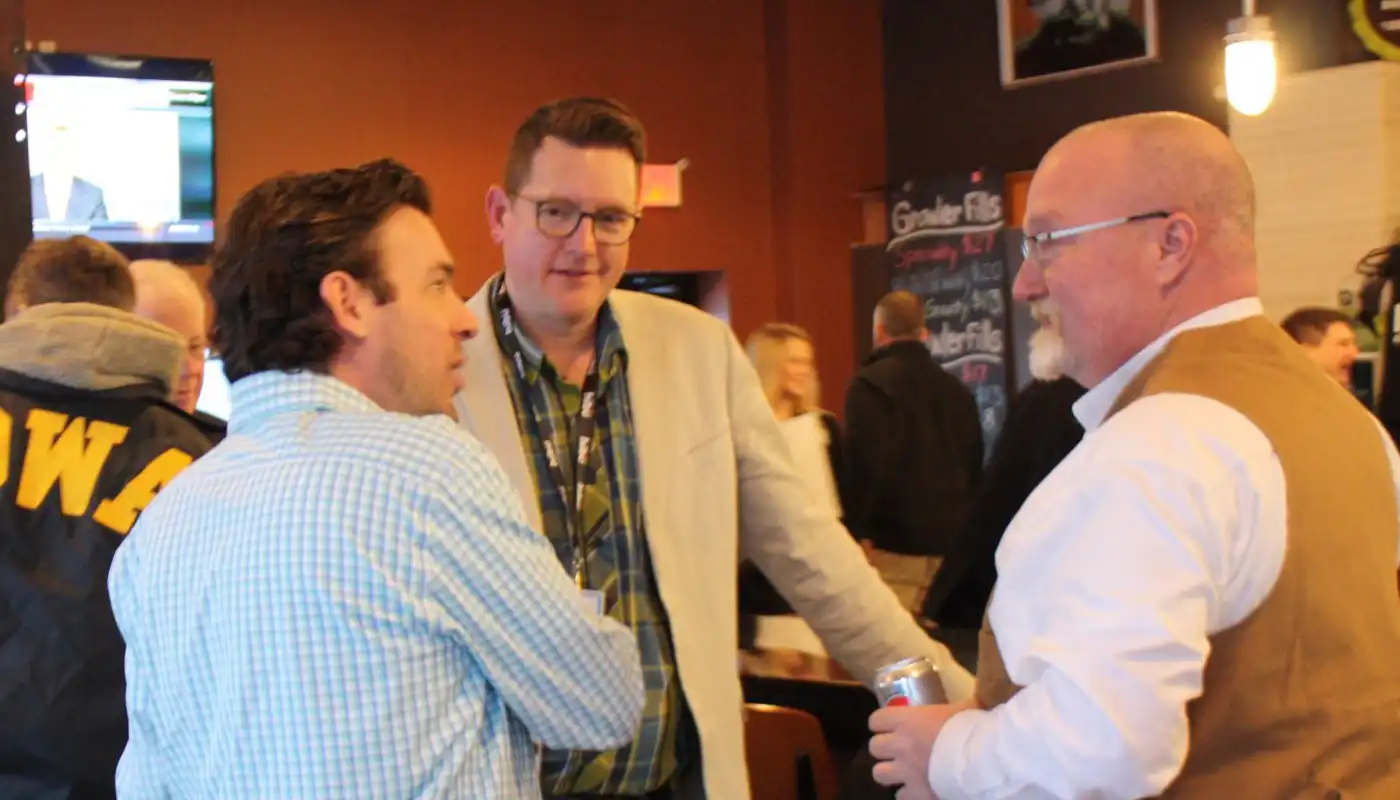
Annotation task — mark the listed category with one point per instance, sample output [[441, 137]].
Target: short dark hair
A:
[[1310, 325], [580, 121], [78, 269], [901, 313], [286, 235]]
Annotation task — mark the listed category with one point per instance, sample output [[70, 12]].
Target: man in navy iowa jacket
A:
[[88, 435]]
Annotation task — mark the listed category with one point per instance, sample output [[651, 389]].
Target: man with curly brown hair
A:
[[343, 599]]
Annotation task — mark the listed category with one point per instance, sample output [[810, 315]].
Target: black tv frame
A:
[[144, 67]]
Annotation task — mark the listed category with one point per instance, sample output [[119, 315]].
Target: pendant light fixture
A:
[[1251, 68]]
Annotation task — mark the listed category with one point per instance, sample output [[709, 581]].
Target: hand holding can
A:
[[911, 682]]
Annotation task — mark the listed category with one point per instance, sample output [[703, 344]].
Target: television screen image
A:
[[121, 148], [677, 286]]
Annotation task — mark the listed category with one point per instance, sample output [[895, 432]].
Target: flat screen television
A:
[[682, 286], [121, 148]]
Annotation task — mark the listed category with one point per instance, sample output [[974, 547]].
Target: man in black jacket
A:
[[88, 436], [914, 449], [1040, 431]]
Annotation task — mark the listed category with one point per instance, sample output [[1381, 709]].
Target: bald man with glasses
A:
[[1199, 602]]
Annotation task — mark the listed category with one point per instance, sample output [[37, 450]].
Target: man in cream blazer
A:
[[716, 480], [694, 471]]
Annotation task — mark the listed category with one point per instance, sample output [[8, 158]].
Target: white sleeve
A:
[[809, 557], [1110, 580], [1394, 457]]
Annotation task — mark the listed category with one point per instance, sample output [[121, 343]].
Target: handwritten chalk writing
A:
[[905, 219], [915, 256], [988, 272], [990, 393], [930, 283], [957, 309], [990, 396], [989, 301], [982, 206], [978, 207], [978, 243], [982, 336], [986, 364], [984, 302]]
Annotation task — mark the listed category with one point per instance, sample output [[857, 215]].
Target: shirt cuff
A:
[[950, 755]]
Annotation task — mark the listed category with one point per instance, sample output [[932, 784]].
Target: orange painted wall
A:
[[778, 104]]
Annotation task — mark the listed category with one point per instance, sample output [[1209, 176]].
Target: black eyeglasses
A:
[[1034, 246], [558, 219]]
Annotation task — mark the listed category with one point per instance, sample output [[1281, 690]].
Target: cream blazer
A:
[[716, 481]]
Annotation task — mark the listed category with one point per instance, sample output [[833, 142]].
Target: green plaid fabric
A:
[[618, 563]]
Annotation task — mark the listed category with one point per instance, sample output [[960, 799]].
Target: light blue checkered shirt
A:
[[341, 602]]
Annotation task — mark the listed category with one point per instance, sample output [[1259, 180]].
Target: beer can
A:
[[911, 682]]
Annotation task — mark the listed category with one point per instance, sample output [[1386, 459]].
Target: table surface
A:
[[778, 663], [793, 665]]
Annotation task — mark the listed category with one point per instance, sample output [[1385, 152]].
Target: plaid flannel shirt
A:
[[618, 562]]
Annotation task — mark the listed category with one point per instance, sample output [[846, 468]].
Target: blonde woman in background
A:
[[785, 361]]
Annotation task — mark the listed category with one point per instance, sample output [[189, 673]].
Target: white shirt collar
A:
[[1091, 409]]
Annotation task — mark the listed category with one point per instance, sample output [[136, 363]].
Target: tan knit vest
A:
[[1302, 698]]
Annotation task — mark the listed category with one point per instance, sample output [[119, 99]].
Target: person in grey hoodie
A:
[[88, 435]]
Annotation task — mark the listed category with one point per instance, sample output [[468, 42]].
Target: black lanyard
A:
[[585, 426]]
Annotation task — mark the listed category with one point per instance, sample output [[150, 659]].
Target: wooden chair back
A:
[[787, 755]]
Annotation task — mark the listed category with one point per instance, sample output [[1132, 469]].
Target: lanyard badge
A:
[[585, 428]]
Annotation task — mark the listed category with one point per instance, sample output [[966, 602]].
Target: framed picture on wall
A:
[[1045, 40]]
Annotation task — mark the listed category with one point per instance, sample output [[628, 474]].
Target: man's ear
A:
[[348, 302], [1178, 243], [497, 206]]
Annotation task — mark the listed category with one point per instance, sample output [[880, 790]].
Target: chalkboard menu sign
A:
[[947, 245]]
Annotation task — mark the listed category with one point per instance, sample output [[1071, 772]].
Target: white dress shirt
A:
[[1166, 525], [57, 190], [808, 442]]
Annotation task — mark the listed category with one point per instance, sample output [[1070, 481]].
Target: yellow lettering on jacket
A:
[[5, 425], [68, 453], [120, 512]]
